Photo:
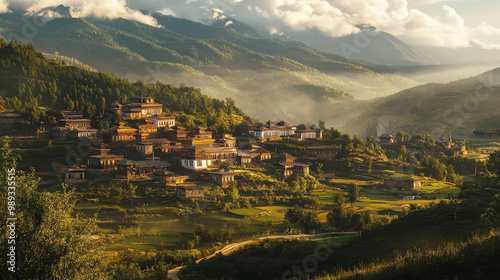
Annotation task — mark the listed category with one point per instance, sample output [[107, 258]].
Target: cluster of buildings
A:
[[277, 130]]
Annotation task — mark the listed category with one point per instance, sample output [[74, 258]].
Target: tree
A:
[[310, 222], [293, 215], [337, 198], [353, 194], [491, 215], [494, 163], [54, 244], [319, 171]]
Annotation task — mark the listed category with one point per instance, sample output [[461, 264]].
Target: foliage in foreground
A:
[[476, 258]]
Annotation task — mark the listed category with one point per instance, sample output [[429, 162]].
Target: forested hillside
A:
[[30, 83]]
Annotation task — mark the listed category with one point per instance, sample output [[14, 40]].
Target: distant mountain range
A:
[[269, 78], [459, 107]]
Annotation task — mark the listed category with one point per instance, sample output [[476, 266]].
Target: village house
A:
[[324, 151], [141, 107], [101, 159], [200, 132], [246, 128], [243, 158], [286, 158], [162, 121], [486, 133], [72, 114], [196, 162], [123, 133], [59, 132], [74, 175], [10, 118], [177, 133], [169, 177], [290, 168], [225, 140], [304, 134], [144, 147], [165, 145], [222, 179], [274, 132], [387, 139], [82, 132], [403, 183], [74, 123], [130, 169], [187, 192]]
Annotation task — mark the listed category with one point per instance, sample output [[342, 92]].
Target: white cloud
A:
[[109, 9], [331, 17], [4, 6]]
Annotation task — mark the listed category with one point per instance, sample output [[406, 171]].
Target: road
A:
[[231, 248]]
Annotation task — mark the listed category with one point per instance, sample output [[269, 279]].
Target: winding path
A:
[[231, 248]]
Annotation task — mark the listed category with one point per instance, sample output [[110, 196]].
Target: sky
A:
[[447, 24]]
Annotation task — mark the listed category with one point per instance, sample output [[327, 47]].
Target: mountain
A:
[[460, 107], [370, 44], [236, 26], [264, 76]]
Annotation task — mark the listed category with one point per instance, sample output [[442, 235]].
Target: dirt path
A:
[[231, 248]]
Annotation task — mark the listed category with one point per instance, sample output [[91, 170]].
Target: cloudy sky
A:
[[450, 24]]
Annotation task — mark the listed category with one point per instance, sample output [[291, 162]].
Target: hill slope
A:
[[31, 84], [460, 107]]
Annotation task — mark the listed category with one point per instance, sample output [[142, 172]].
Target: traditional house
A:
[[200, 132], [177, 133], [289, 168], [187, 192], [196, 162], [197, 142], [486, 133], [260, 154], [59, 132], [73, 114], [304, 134], [123, 133], [10, 118], [274, 132], [222, 179], [101, 159], [387, 138], [74, 123], [141, 107], [168, 177], [403, 183], [74, 175], [165, 145], [221, 153], [226, 140], [144, 147], [243, 158], [163, 121], [286, 158], [82, 132], [130, 169], [246, 128], [324, 151]]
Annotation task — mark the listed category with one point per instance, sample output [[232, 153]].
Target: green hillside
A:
[[460, 107], [31, 84]]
